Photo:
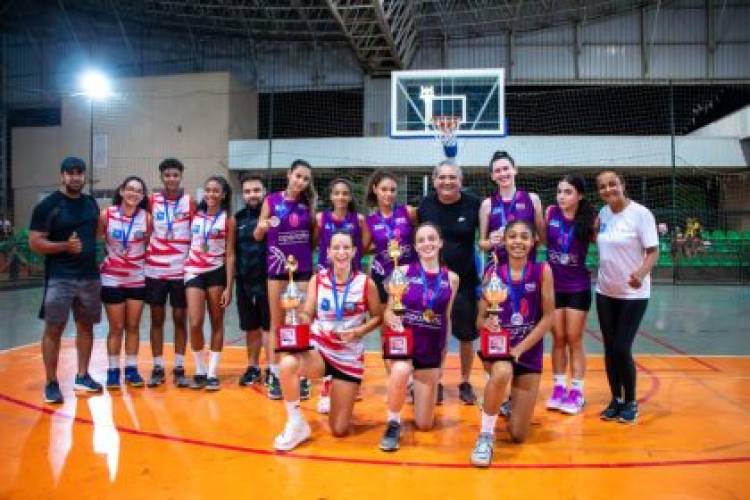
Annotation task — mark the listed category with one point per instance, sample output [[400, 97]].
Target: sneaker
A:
[[251, 375], [440, 395], [466, 393], [391, 437], [267, 377], [157, 377], [481, 456], [304, 388], [628, 413], [324, 405], [274, 387], [557, 397], [573, 402], [505, 409], [293, 435], [86, 383], [612, 411], [180, 380], [132, 377], [212, 384], [199, 382], [52, 393], [113, 379]]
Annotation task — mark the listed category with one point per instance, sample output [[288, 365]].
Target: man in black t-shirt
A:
[[63, 229], [252, 298], [456, 213]]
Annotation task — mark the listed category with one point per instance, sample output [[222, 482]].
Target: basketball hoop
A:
[[444, 127]]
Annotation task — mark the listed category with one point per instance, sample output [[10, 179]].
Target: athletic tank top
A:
[[329, 225], [170, 237], [125, 242], [566, 254], [520, 207], [208, 245], [290, 237], [382, 229], [347, 357], [428, 336]]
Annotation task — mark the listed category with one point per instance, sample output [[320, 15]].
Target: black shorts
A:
[[118, 295], [298, 276], [217, 277], [518, 369], [158, 290], [464, 315], [333, 372], [421, 365], [379, 280], [581, 301], [252, 306]]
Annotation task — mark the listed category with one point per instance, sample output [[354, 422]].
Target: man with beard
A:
[[456, 213], [63, 229], [252, 298]]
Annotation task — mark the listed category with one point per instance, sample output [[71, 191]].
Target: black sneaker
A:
[[212, 384], [505, 409], [612, 411], [391, 437], [52, 393], [86, 383], [466, 393], [267, 377], [440, 395], [157, 377], [180, 380], [251, 375], [628, 413], [199, 382], [304, 388]]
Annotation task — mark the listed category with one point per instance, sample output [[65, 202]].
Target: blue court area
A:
[[684, 319]]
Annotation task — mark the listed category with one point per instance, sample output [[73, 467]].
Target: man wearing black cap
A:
[[63, 229]]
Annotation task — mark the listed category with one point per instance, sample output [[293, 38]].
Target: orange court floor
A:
[[691, 441]]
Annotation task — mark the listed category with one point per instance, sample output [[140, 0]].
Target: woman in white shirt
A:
[[628, 249]]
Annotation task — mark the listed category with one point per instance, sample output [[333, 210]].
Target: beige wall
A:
[[191, 117]]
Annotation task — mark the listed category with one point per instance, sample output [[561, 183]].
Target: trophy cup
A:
[[397, 343], [292, 336], [494, 344]]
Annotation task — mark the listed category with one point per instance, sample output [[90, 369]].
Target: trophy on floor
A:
[[292, 336], [495, 343], [397, 343]]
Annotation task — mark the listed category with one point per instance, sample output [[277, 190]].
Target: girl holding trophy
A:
[[421, 301], [343, 306], [519, 297], [286, 217]]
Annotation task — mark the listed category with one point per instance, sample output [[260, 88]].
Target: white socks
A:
[[293, 411], [577, 384], [488, 423], [114, 361], [159, 361], [200, 368], [560, 380], [394, 416], [131, 360], [179, 360], [274, 369], [213, 363]]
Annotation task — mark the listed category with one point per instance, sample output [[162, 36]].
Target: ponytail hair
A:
[[584, 217], [226, 189], [309, 197]]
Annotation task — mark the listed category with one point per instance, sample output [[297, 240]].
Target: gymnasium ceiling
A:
[[383, 34]]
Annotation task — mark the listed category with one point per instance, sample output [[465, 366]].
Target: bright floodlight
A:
[[95, 85]]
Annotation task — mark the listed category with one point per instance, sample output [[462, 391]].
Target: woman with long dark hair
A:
[[126, 227]]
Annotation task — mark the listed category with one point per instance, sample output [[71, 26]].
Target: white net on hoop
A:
[[444, 127]]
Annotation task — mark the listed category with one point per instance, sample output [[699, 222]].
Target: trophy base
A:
[[397, 345], [293, 338], [494, 346]]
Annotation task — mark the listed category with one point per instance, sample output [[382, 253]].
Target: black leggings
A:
[[619, 320]]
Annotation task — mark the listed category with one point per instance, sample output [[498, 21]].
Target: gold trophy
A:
[[397, 283], [495, 291], [494, 344], [397, 344], [292, 336]]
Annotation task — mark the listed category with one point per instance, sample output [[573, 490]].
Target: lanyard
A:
[[170, 220], [340, 307], [432, 292], [566, 236], [206, 234], [389, 231], [126, 234], [511, 208], [516, 292]]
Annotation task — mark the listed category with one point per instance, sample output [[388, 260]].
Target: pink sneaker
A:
[[573, 403], [558, 395]]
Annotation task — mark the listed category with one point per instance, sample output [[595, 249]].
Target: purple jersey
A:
[[290, 237], [427, 291], [566, 254], [329, 225], [524, 302], [520, 207], [382, 229]]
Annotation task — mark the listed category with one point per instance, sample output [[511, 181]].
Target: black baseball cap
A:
[[71, 163]]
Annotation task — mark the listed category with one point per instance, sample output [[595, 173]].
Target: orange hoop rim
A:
[[446, 123]]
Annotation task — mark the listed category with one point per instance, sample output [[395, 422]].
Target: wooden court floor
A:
[[692, 440]]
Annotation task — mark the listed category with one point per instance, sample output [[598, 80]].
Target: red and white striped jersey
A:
[[170, 237], [208, 245], [125, 242], [347, 357]]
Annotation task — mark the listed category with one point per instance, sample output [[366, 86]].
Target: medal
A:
[[432, 293], [340, 306], [564, 259], [566, 238], [274, 221], [428, 315], [170, 234], [126, 234], [207, 232], [516, 319], [204, 247], [516, 292], [170, 220]]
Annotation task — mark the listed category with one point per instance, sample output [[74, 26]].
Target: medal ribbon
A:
[[340, 307], [566, 236], [516, 291], [170, 220], [432, 291], [388, 225], [206, 234], [511, 208], [126, 234]]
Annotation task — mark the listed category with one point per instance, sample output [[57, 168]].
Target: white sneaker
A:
[[324, 405], [294, 433]]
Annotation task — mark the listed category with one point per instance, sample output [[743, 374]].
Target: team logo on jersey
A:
[[196, 229], [281, 209], [294, 220], [117, 233], [325, 304], [524, 307], [531, 287], [521, 206], [160, 215], [350, 306], [461, 219], [554, 223]]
